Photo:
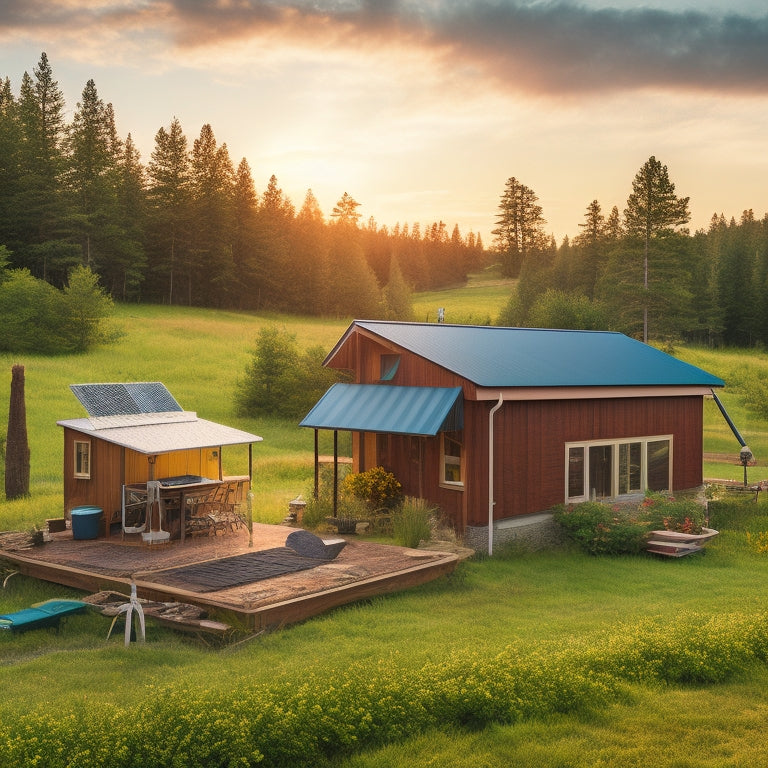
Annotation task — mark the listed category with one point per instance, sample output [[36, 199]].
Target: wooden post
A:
[[17, 444], [249, 507], [317, 466], [335, 472]]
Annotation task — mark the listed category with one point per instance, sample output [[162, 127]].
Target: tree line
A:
[[188, 227], [640, 271]]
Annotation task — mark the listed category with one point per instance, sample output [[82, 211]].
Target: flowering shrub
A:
[[670, 514], [377, 487], [602, 529], [623, 529]]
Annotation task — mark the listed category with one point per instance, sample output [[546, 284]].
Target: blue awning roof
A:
[[388, 408]]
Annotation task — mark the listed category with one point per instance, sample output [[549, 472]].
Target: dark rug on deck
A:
[[235, 571]]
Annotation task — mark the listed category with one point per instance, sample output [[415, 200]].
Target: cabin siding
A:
[[412, 371], [530, 438], [195, 461], [103, 487], [529, 451], [113, 466]]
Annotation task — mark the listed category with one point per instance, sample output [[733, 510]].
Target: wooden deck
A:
[[361, 570]]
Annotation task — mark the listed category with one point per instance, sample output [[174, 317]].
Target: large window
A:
[[609, 469], [83, 458], [451, 463]]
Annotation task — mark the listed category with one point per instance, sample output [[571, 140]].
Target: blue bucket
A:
[[85, 522]]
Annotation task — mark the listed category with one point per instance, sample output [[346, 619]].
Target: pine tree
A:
[[397, 296], [93, 175], [519, 234], [42, 212], [309, 253], [736, 281], [245, 212], [653, 211], [613, 230], [124, 273], [211, 267], [169, 212], [345, 211], [590, 245], [276, 214], [10, 165]]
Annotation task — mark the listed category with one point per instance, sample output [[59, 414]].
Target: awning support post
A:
[[335, 472], [317, 466]]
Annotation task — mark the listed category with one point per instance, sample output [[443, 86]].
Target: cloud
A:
[[556, 48]]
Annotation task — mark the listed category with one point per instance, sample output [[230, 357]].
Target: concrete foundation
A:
[[531, 532]]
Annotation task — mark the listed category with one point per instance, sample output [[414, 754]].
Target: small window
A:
[[575, 471], [451, 459], [630, 468], [658, 465], [389, 366], [83, 458]]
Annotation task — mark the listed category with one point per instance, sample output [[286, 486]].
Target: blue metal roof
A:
[[492, 356], [388, 408]]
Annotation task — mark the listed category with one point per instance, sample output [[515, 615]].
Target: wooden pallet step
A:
[[677, 544], [673, 549]]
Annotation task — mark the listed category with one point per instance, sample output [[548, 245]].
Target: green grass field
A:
[[529, 605]]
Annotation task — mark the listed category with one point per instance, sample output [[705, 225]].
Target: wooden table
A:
[[174, 493]]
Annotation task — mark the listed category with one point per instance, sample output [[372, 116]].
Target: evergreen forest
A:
[[639, 271], [188, 227]]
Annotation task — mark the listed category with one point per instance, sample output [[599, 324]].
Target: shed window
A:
[[608, 469], [83, 458], [389, 366], [451, 459]]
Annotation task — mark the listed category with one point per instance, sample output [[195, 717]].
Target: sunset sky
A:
[[422, 109]]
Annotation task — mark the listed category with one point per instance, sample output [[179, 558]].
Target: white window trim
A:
[[454, 484], [83, 475], [614, 444]]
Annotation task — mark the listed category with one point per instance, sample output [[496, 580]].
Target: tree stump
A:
[[17, 444]]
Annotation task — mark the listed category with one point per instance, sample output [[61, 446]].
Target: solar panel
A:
[[124, 399]]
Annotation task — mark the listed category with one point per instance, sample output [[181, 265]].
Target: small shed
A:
[[493, 424], [135, 433]]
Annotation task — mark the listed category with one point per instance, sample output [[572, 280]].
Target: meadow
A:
[[546, 659]]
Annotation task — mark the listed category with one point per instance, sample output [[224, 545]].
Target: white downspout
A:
[[490, 472]]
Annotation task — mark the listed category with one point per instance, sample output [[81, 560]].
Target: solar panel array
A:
[[125, 399]]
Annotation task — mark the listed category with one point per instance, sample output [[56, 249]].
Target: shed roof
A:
[[492, 356], [163, 436], [388, 408], [144, 417]]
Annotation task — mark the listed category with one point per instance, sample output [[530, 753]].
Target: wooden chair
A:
[[134, 511], [213, 512], [197, 520], [224, 508]]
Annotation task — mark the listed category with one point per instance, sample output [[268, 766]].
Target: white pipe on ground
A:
[[490, 472]]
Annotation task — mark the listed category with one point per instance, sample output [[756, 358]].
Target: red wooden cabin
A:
[[494, 423]]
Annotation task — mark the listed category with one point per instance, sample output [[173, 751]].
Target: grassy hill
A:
[[667, 638]]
